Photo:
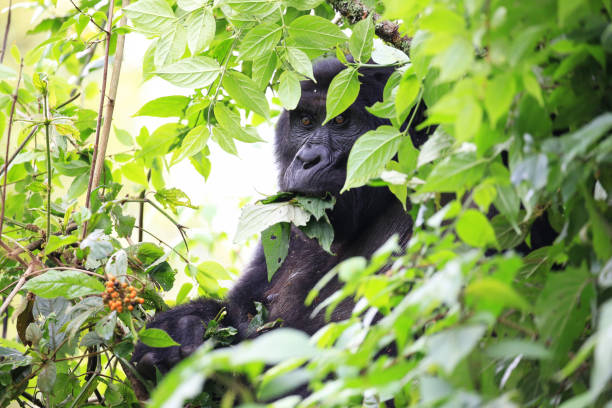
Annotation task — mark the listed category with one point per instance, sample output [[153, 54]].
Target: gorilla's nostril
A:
[[313, 162]]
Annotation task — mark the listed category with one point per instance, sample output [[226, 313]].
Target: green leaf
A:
[[322, 231], [563, 307], [68, 283], [246, 93], [46, 377], [78, 186], [289, 90], [171, 46], [493, 291], [406, 96], [303, 4], [449, 347], [56, 242], [193, 72], [370, 154], [172, 198], [455, 61], [191, 5], [192, 144], [263, 69], [164, 107], [275, 242], [507, 349], [314, 32], [151, 16], [7, 72], [498, 97], [342, 92], [260, 40], [316, 205], [300, 62], [224, 140], [201, 27], [255, 218], [134, 171], [454, 173], [474, 229], [360, 43], [105, 327], [566, 10], [230, 122], [602, 369], [124, 136]]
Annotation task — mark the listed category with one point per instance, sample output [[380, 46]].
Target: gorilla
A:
[[312, 160]]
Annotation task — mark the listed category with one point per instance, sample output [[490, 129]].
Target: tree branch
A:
[[355, 10]]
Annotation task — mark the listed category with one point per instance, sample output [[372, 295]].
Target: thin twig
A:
[[7, 301], [90, 17], [355, 10], [110, 104], [6, 31], [20, 148], [72, 99], [11, 255], [90, 185], [8, 144]]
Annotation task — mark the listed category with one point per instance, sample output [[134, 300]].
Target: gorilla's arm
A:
[[187, 323]]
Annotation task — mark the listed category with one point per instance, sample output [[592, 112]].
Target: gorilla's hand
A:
[[186, 325]]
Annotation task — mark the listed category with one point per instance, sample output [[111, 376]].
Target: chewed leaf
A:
[[256, 218]]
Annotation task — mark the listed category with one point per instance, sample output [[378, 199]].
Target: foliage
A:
[[521, 94]]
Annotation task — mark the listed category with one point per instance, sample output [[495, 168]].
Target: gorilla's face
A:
[[312, 155]]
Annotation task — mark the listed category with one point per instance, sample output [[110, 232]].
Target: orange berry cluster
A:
[[120, 295]]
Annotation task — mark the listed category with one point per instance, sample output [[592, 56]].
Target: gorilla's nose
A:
[[311, 155]]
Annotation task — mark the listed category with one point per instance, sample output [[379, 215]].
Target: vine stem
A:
[[6, 31], [8, 144], [90, 184], [7, 301], [48, 148]]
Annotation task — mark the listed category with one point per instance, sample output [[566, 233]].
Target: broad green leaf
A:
[[494, 292], [251, 7], [300, 62], [230, 122], [498, 97], [454, 173], [156, 338], [342, 92], [370, 154], [562, 308], [201, 27], [275, 242], [566, 10], [191, 5], [289, 90], [406, 96], [260, 40], [246, 93], [78, 186], [322, 231], [46, 377], [474, 229], [165, 107], [315, 205], [506, 349], [123, 136], [68, 283], [56, 242], [214, 269], [315, 33], [171, 46], [224, 140], [172, 198], [255, 218], [193, 72], [449, 347], [455, 61], [134, 171], [360, 43], [263, 69], [193, 143], [151, 16], [602, 369], [303, 4], [117, 264], [434, 147], [105, 327]]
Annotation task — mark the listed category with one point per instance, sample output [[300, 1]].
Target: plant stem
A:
[[90, 185], [8, 144], [20, 148], [6, 31], [49, 174]]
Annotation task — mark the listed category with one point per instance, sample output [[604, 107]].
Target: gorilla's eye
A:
[[306, 120], [339, 120]]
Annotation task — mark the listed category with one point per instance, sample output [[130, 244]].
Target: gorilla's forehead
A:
[[312, 99]]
